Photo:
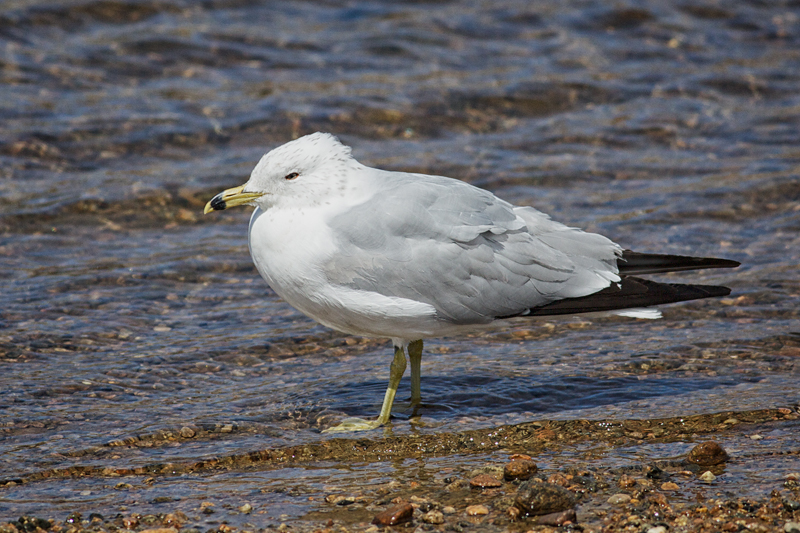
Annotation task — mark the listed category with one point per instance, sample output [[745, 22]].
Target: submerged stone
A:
[[535, 498]]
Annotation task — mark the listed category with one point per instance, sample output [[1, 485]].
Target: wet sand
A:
[[457, 481]]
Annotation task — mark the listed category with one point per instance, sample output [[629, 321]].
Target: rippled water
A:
[[669, 126]]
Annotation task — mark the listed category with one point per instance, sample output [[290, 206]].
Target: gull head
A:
[[307, 170]]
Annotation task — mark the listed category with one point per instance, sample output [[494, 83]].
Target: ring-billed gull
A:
[[408, 256]]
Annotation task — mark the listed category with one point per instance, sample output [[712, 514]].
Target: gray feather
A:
[[462, 250]]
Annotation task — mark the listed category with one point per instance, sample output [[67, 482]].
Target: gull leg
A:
[[396, 370], [415, 355]]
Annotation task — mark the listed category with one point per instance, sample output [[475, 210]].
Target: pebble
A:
[[617, 499], [187, 432], [791, 527], [535, 498], [756, 437], [246, 508], [477, 510], [394, 515], [433, 517], [176, 519], [519, 469], [558, 519], [485, 481], [160, 530], [626, 482], [669, 485], [520, 456], [707, 476], [708, 453], [657, 529], [448, 509]]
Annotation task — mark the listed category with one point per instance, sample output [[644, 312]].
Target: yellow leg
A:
[[415, 356], [396, 370]]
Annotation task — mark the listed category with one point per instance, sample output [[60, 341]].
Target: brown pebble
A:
[[160, 530], [626, 482], [176, 519], [477, 510], [433, 517], [394, 515], [669, 485], [187, 432], [559, 479], [557, 519], [519, 469], [485, 481], [708, 454], [520, 456], [534, 498]]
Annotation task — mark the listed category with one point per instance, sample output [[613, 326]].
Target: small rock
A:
[[175, 520], [626, 482], [669, 485], [654, 472], [448, 509], [707, 476], [708, 453], [559, 479], [477, 510], [657, 529], [246, 508], [394, 515], [756, 437], [791, 527], [658, 499], [433, 517], [557, 519], [519, 469], [520, 456], [485, 481], [187, 432], [535, 498], [619, 499], [160, 530]]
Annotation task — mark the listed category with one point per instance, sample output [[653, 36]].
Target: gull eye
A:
[[291, 176]]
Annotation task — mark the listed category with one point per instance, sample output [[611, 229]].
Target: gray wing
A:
[[464, 251]]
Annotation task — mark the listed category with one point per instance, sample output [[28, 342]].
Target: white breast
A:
[[289, 248]]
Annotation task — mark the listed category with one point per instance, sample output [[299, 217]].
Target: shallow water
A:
[[669, 127]]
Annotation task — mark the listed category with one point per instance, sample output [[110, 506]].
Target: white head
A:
[[308, 170]]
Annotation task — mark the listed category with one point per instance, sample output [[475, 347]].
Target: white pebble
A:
[[707, 476], [617, 499]]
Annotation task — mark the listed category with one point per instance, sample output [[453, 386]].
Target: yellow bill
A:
[[231, 198]]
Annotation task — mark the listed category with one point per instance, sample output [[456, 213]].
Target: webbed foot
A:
[[354, 424]]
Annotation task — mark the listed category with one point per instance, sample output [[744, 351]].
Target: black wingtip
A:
[[630, 292], [636, 263]]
